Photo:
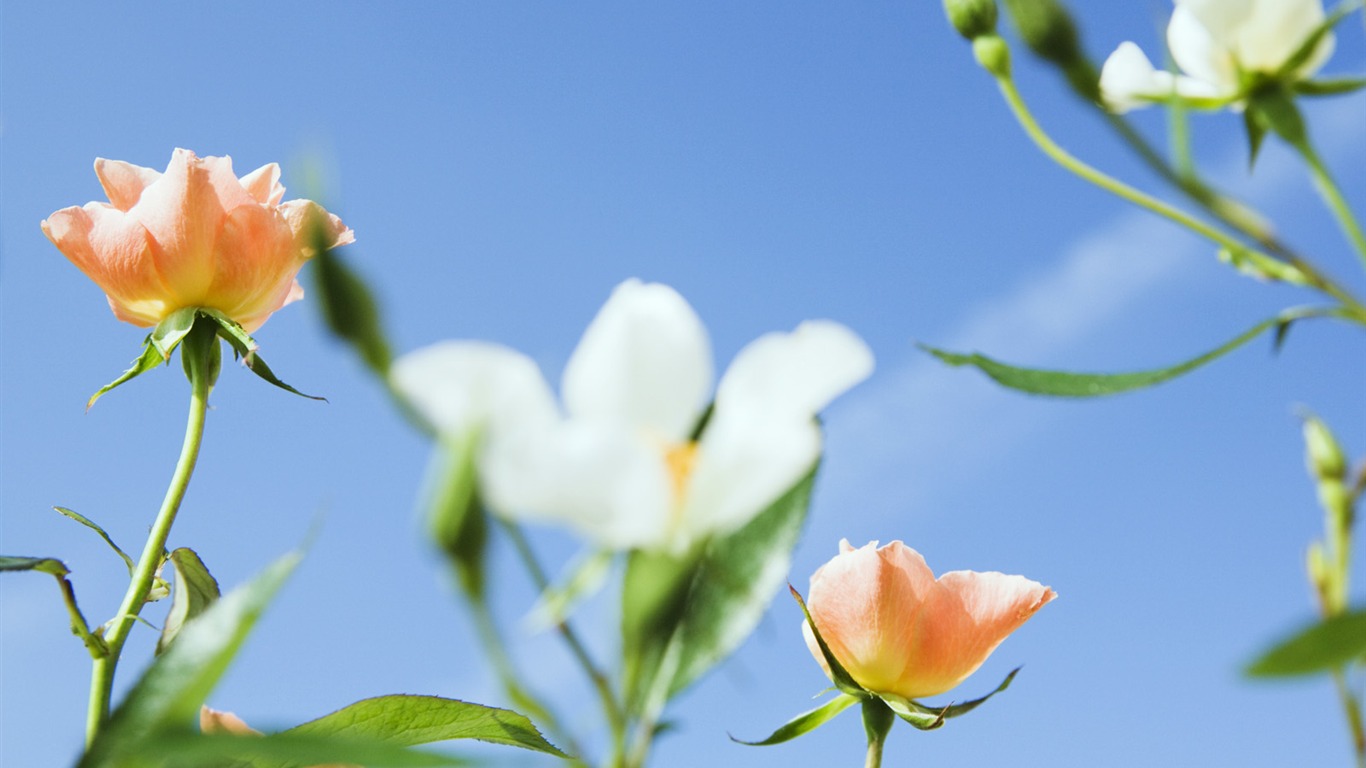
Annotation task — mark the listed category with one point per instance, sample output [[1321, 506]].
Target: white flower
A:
[[1217, 44], [621, 465]]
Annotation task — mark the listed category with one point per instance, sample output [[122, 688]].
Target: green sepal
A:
[[694, 610], [195, 590], [1323, 646], [928, 718], [1301, 55], [1330, 86], [88, 523], [804, 723], [348, 307], [171, 691], [149, 359], [1256, 136], [1274, 109], [410, 720], [182, 748], [587, 574], [838, 674], [1068, 384], [50, 565], [244, 348], [456, 516]]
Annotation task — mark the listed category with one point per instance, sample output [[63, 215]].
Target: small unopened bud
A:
[[972, 18], [1323, 455], [993, 54]]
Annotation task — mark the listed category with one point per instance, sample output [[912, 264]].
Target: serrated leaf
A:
[[1067, 384], [195, 590], [806, 722], [149, 359], [1320, 647], [1330, 86], [185, 749], [171, 691], [412, 720], [349, 308], [88, 523]]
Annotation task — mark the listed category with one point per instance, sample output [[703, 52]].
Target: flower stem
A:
[[1352, 709], [877, 722], [616, 721], [1332, 195], [200, 351]]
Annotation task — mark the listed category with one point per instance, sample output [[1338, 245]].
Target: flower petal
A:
[[865, 603], [1128, 80], [302, 214], [255, 261], [263, 184], [747, 458], [796, 373], [114, 251], [465, 385], [604, 480], [645, 360], [967, 616], [1200, 52], [214, 721], [123, 182], [1275, 29]]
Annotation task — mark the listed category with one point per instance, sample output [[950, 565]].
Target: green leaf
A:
[[411, 720], [88, 523], [459, 524], [843, 680], [1067, 384], [927, 717], [348, 307], [149, 359], [806, 722], [41, 564], [1323, 646], [699, 608], [1330, 86], [244, 347], [195, 590], [171, 691], [186, 749]]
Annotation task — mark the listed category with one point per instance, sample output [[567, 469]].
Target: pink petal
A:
[[300, 214], [255, 261], [263, 184], [123, 182], [114, 251], [213, 721]]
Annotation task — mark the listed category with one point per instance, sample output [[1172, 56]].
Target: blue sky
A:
[[504, 166]]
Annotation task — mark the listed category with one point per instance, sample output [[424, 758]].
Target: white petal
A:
[[796, 373], [606, 482], [464, 385], [1275, 29], [645, 360], [1128, 79], [1222, 20], [746, 460], [1202, 54]]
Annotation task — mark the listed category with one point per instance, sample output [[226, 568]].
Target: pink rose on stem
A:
[[193, 236], [898, 630]]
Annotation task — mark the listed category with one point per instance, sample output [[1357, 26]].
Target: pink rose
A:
[[898, 630], [194, 236]]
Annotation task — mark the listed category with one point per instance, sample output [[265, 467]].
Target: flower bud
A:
[[993, 54], [972, 18], [1323, 455], [1047, 28]]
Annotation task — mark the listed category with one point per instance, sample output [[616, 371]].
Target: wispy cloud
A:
[[919, 427]]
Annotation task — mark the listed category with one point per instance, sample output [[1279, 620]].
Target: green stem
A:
[[877, 723], [201, 370], [1352, 709], [1332, 195], [1108, 183], [79, 627], [616, 720]]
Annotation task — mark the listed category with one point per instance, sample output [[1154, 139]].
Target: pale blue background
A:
[[503, 166]]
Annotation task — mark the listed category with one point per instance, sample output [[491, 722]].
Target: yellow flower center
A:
[[680, 460]]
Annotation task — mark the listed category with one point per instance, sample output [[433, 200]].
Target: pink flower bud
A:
[[898, 630], [194, 236]]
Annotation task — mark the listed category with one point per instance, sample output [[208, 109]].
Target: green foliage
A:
[[88, 523], [174, 687], [1323, 646], [186, 749], [149, 359], [683, 615], [1330, 86], [806, 722], [459, 524], [244, 348], [411, 720], [1067, 384], [348, 307], [195, 590], [41, 564]]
